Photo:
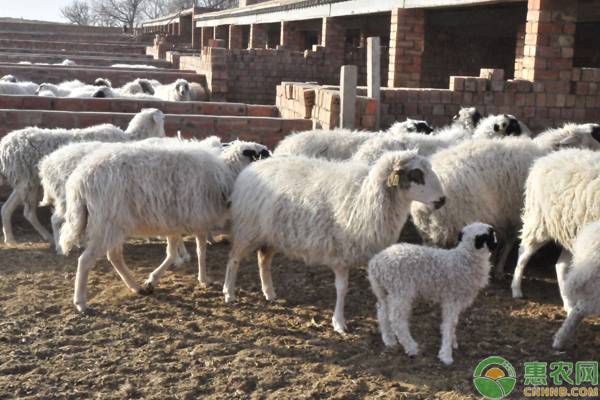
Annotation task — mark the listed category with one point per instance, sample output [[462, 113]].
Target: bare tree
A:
[[122, 12], [78, 12]]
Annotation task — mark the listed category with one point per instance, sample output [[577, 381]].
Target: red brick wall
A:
[[71, 46]]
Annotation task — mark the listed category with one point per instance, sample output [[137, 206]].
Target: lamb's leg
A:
[[265, 257], [57, 222], [183, 255], [574, 318], [115, 256], [203, 277], [87, 261], [8, 208], [387, 333], [525, 253], [399, 315], [504, 254], [341, 288], [171, 256], [450, 313], [233, 265], [562, 266], [30, 212]]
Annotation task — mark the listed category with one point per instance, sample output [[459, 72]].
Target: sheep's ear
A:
[[476, 118], [398, 178], [417, 176], [513, 128], [265, 153], [146, 86], [251, 154], [460, 236], [99, 94], [480, 241], [596, 133], [570, 140], [422, 127]]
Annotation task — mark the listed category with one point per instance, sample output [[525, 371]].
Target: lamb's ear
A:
[[146, 86], [596, 133], [480, 241], [570, 140], [417, 176]]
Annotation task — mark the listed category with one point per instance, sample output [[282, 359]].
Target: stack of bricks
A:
[[326, 111], [407, 43], [295, 100], [212, 63]]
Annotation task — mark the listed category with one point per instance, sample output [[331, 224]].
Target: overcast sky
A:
[[47, 10]]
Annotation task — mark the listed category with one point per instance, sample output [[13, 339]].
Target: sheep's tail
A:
[[72, 230]]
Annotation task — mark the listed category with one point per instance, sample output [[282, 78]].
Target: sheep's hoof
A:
[[447, 360], [147, 289], [10, 241], [81, 307], [339, 326], [517, 293], [229, 298], [557, 344], [270, 296], [206, 282]]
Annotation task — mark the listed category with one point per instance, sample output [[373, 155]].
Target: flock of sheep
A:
[[140, 89], [336, 198]]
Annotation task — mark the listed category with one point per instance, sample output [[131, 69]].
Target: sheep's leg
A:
[[568, 327], [387, 334], [8, 208], [526, 251], [203, 277], [115, 256], [233, 265], [265, 258], [504, 254], [400, 310], [170, 258], [341, 288], [57, 222], [450, 313], [87, 261], [30, 213], [562, 266], [183, 255]]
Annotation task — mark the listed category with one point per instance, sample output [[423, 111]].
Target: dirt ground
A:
[[184, 342]]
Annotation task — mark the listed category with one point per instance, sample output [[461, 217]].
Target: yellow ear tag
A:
[[393, 179]]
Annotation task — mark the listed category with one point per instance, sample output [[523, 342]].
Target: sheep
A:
[[17, 88], [65, 62], [137, 86], [9, 78], [338, 144], [199, 92], [562, 195], [148, 190], [484, 180], [75, 88], [21, 150], [176, 91], [135, 66], [467, 117], [452, 278], [585, 136], [500, 125], [411, 125], [582, 282], [337, 214]]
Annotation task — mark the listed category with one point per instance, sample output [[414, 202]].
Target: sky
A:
[[46, 10]]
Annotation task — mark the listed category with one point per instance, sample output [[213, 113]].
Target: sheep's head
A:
[[239, 154], [469, 117], [182, 88], [146, 86], [47, 89], [150, 122], [412, 173], [508, 125], [411, 125], [477, 235], [8, 78], [102, 82], [103, 92], [583, 136]]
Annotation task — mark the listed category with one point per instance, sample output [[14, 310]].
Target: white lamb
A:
[[403, 273], [500, 126], [137, 86], [21, 151], [484, 180], [337, 214], [582, 282], [176, 91], [73, 88], [561, 196], [148, 191]]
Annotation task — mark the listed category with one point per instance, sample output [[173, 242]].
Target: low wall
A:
[[62, 52], [15, 58], [22, 26], [68, 36], [133, 106], [263, 130], [73, 46]]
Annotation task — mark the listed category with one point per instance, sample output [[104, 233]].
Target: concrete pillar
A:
[[235, 37], [348, 78], [407, 43], [374, 73], [289, 36], [549, 41], [258, 36], [207, 33]]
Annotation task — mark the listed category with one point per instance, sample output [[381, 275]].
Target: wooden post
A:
[[348, 78], [374, 74]]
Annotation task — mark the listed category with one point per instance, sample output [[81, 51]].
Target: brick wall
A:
[[72, 46], [41, 27]]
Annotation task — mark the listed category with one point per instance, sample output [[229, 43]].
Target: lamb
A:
[[500, 125], [411, 125], [484, 180], [337, 214], [462, 127], [147, 191], [17, 88], [452, 278], [176, 91], [467, 117], [21, 150], [562, 195], [582, 282]]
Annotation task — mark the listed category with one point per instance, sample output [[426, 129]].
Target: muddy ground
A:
[[184, 342]]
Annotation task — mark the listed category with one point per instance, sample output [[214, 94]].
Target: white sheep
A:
[[403, 273], [147, 191], [337, 144], [562, 195], [411, 125], [17, 88], [582, 282], [21, 151], [467, 117], [65, 62], [500, 126], [9, 78], [137, 86], [462, 127], [176, 91], [135, 66], [484, 180], [337, 214]]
